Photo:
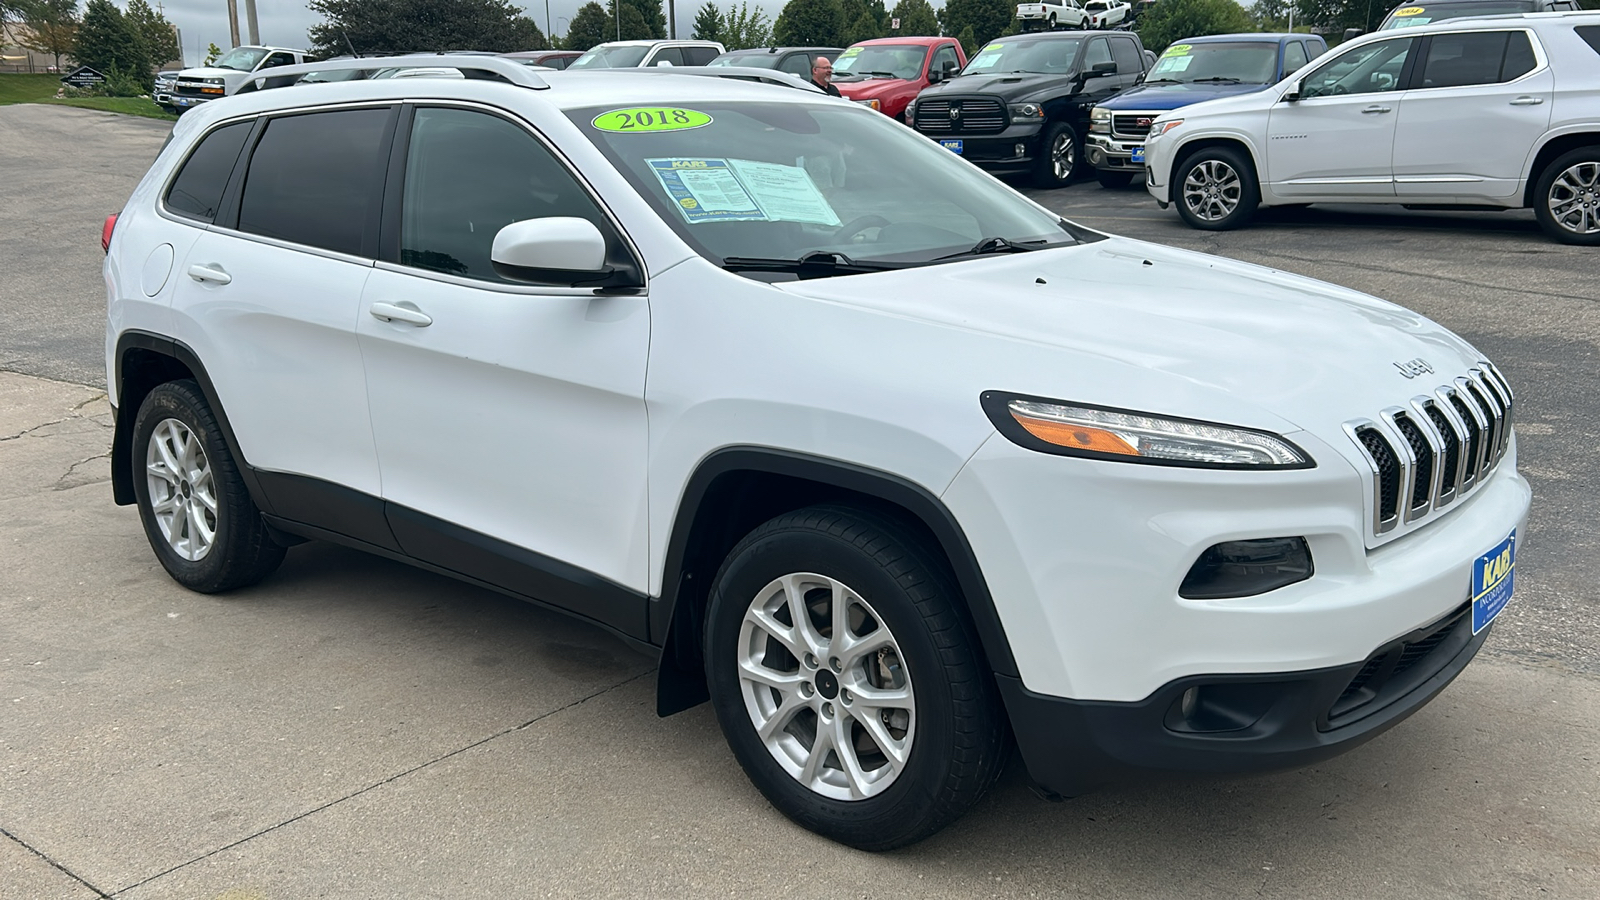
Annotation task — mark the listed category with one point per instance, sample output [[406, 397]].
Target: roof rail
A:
[[492, 66]]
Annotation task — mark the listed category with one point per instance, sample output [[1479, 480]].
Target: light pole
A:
[[548, 37]]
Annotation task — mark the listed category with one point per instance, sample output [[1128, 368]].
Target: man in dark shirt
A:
[[822, 75]]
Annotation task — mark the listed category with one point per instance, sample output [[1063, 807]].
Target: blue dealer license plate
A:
[[1493, 575], [1138, 156], [953, 146]]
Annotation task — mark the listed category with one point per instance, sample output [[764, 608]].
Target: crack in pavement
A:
[[378, 784], [75, 413], [55, 865], [62, 484]]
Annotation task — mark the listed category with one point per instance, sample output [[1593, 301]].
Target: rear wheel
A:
[[1567, 198], [847, 681], [196, 511], [1216, 189]]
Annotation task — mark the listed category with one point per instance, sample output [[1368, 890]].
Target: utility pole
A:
[[250, 19], [548, 37], [672, 19], [233, 22]]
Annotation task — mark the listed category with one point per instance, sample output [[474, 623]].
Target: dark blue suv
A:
[[1188, 71]]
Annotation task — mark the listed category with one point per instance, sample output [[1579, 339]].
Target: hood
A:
[[1173, 96], [1129, 324], [211, 72], [869, 88], [1010, 87]]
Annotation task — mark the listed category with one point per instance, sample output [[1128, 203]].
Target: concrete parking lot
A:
[[356, 728]]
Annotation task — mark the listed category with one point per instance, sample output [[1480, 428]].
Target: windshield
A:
[[893, 60], [243, 59], [603, 57], [780, 181], [1411, 16], [1248, 62], [753, 60], [1046, 56]]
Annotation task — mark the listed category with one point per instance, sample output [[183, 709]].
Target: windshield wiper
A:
[[816, 264], [996, 245], [1221, 79], [1162, 81]]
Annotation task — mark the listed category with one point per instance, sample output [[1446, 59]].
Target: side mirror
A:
[[935, 76], [951, 67], [664, 62], [1353, 32], [1292, 94], [1101, 69], [559, 250]]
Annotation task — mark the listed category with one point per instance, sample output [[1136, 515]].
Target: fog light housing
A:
[[1247, 568], [1021, 150]]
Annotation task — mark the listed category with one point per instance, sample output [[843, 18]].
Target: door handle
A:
[[397, 312], [209, 273], [1375, 109], [1527, 101]]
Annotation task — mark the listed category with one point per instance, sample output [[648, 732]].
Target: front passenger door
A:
[[509, 418], [1338, 138]]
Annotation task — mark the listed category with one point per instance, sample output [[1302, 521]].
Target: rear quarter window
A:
[[1590, 35], [197, 191]]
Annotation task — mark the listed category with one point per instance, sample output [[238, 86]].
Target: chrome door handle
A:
[[1375, 109], [209, 273], [1527, 101], [394, 312]]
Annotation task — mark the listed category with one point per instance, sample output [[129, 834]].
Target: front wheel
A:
[[197, 514], [1567, 198], [1216, 189], [1058, 157], [848, 682]]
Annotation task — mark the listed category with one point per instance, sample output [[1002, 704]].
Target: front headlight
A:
[[872, 103], [1099, 120], [1161, 128], [1022, 113], [1077, 429]]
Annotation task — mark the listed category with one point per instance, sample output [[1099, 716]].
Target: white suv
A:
[[889, 474], [1499, 112]]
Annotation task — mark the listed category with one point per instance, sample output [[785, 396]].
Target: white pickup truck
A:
[[1106, 13], [1052, 14], [222, 78]]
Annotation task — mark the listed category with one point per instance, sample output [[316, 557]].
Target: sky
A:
[[284, 22]]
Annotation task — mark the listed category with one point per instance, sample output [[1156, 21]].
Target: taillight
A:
[[105, 232]]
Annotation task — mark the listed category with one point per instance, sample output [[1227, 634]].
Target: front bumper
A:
[[1236, 724], [1112, 154], [185, 101], [1014, 151]]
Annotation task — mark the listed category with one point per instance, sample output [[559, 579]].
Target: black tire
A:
[[240, 552], [1113, 180], [1578, 195], [1230, 195], [957, 738], [1046, 173]]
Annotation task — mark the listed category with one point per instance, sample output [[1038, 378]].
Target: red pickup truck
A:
[[888, 73]]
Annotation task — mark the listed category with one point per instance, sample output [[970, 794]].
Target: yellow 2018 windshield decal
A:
[[651, 118], [1409, 11]]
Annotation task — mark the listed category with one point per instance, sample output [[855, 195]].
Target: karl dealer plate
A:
[[1492, 577], [1138, 155], [953, 146]]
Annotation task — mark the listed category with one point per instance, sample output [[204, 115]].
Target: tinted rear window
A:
[[316, 179], [197, 191], [1590, 35]]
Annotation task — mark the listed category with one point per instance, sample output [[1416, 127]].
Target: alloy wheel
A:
[[1574, 198], [1063, 156], [825, 686], [183, 494], [1212, 190]]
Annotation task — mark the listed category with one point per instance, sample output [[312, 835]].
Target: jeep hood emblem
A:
[[1415, 367]]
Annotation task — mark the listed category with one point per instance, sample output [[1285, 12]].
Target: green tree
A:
[[634, 25], [707, 23], [969, 44], [380, 26], [916, 19], [160, 41], [986, 18], [1172, 20], [744, 28], [588, 27], [52, 26], [108, 43], [866, 28], [810, 23], [650, 14], [213, 53]]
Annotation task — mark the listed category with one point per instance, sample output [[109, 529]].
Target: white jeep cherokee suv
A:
[[1496, 112], [890, 475]]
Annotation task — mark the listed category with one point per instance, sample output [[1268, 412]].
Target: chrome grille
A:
[[1430, 452], [1125, 126], [973, 116]]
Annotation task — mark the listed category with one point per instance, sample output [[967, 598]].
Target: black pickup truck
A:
[[1021, 106]]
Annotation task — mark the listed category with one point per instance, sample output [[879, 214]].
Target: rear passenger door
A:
[[268, 299], [1478, 103], [509, 418]]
